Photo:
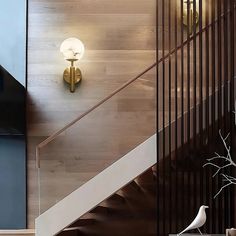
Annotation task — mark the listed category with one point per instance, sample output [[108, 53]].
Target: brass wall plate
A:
[[66, 75]]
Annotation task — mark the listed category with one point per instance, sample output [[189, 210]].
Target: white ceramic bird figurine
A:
[[198, 222]]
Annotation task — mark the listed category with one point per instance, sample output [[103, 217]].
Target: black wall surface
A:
[[12, 153]]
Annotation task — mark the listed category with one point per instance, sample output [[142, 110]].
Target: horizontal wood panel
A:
[[91, 20], [119, 38], [93, 7]]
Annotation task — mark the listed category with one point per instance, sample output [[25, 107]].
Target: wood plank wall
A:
[[119, 38]]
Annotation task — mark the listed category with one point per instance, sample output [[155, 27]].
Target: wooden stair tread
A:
[[116, 198], [82, 222], [146, 177], [132, 187], [100, 210]]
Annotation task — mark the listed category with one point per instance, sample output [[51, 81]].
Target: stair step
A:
[[123, 216], [116, 198], [150, 188], [145, 184], [146, 177], [82, 222], [135, 186], [126, 214], [100, 210], [132, 187]]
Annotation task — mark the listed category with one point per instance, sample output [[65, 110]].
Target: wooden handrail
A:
[[54, 135]]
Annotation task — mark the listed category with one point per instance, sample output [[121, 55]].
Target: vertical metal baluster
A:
[[194, 100], [213, 66], [170, 181], [213, 210], [200, 94], [176, 125], [200, 74], [229, 111], [188, 172], [163, 116], [207, 100], [157, 118], [182, 107], [219, 99], [225, 104], [232, 99], [219, 65], [225, 66], [207, 71], [188, 72], [217, 126]]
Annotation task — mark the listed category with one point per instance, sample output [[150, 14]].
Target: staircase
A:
[[114, 197], [191, 107], [98, 174], [94, 168], [130, 211], [91, 195]]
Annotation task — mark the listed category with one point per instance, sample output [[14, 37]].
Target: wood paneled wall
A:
[[119, 38]]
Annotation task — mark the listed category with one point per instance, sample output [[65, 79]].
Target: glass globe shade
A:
[[72, 49]]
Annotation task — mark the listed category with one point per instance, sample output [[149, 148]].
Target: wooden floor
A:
[[20, 232], [119, 38]]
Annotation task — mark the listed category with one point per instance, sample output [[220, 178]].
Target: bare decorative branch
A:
[[229, 180], [227, 162]]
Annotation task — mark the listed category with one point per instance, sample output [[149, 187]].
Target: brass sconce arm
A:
[[72, 75]]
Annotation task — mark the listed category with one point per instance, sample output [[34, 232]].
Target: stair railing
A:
[[166, 56], [166, 140], [172, 52], [92, 144], [57, 133]]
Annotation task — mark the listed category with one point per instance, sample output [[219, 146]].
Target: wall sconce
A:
[[73, 50], [192, 21]]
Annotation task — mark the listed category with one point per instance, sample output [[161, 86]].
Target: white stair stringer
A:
[[96, 190]]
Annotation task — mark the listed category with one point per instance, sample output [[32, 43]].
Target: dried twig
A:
[[228, 162]]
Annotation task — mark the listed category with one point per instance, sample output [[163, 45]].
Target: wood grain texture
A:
[[119, 38]]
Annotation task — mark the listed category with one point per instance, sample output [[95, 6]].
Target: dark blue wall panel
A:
[[12, 182]]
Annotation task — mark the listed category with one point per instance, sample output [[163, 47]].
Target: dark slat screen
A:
[[195, 99]]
